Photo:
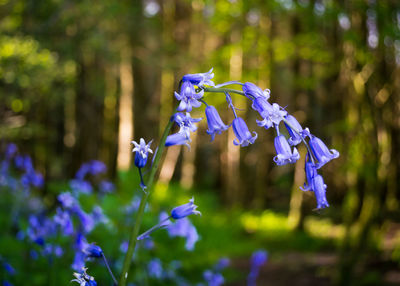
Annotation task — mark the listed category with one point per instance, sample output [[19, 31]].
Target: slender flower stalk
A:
[[138, 221]]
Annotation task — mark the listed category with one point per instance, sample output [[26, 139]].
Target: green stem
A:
[[222, 90], [139, 216]]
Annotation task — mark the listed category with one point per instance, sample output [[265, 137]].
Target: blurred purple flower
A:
[[155, 269]]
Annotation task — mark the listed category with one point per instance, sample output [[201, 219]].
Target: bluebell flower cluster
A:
[[193, 88], [14, 163]]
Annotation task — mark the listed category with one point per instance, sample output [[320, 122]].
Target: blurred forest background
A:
[[80, 79]]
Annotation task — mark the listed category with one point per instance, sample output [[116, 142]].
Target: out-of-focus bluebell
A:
[[155, 269], [81, 186], [182, 228], [93, 251], [106, 186], [66, 200], [51, 249], [63, 219], [11, 150], [321, 152], [8, 268], [257, 260], [185, 210], [178, 139], [222, 264], [215, 123], [188, 97], [242, 133], [99, 216], [142, 151], [284, 154], [200, 79], [213, 278]]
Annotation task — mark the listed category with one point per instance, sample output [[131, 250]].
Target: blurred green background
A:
[[80, 79]]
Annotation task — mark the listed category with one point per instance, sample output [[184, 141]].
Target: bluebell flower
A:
[[283, 151], [258, 259], [81, 186], [93, 250], [8, 268], [142, 150], [272, 116], [182, 228], [82, 172], [242, 133], [155, 269], [63, 219], [6, 283], [215, 124], [106, 186], [188, 97], [98, 215], [311, 173], [200, 79], [213, 279], [84, 279], [251, 91], [319, 189], [295, 130], [315, 183], [11, 149], [179, 138], [222, 264], [66, 200], [86, 220], [185, 210], [97, 167], [51, 249], [186, 122], [321, 152]]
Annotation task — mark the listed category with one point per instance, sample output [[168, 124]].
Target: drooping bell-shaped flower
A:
[[179, 138], [321, 152], [215, 123], [283, 151], [295, 130], [311, 173], [200, 79], [320, 192], [262, 106], [185, 210], [142, 150], [242, 133], [252, 91], [188, 97], [274, 116], [93, 250]]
